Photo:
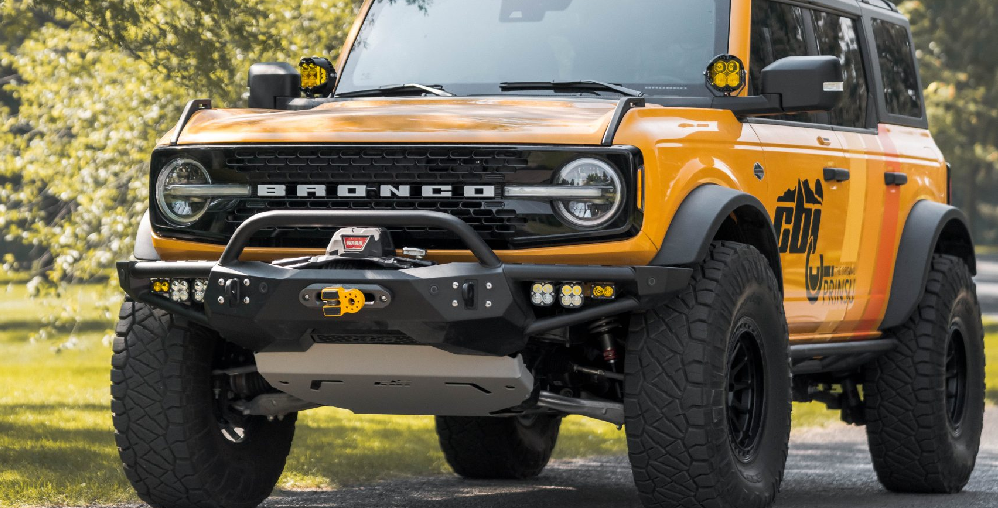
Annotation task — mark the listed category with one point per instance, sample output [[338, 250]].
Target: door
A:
[[880, 150], [809, 178]]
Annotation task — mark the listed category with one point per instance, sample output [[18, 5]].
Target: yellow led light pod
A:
[[602, 291], [317, 76], [726, 75]]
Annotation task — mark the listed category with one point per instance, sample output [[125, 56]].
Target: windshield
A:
[[469, 47]]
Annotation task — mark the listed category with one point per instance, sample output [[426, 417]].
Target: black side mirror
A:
[[804, 83], [795, 84], [269, 83]]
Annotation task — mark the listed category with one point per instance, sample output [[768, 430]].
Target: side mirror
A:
[[804, 83], [269, 83], [795, 84]]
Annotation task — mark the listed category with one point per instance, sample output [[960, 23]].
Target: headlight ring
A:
[[590, 213], [182, 210]]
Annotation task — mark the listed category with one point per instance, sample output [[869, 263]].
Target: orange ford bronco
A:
[[674, 216]]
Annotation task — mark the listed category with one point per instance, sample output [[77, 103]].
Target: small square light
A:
[[602, 291], [571, 295], [200, 287], [542, 294], [179, 290], [161, 286]]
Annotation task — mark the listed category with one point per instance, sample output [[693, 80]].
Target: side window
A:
[[837, 36], [897, 64], [777, 32]]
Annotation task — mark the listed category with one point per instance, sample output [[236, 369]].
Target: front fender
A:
[[698, 222]]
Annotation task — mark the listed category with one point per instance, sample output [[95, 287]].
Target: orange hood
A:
[[411, 120]]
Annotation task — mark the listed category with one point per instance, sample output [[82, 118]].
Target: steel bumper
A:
[[478, 308]]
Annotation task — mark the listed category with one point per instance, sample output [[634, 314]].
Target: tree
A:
[[956, 42], [88, 88]]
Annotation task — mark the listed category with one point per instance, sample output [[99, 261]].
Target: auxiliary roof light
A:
[[726, 74], [317, 76]]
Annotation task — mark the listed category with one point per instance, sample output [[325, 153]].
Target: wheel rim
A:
[[746, 398], [956, 378]]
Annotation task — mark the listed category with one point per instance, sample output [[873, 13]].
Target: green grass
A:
[[57, 443]]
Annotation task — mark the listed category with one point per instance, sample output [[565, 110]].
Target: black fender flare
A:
[[930, 228], [699, 221], [144, 250]]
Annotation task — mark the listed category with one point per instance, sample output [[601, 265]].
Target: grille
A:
[[411, 166]]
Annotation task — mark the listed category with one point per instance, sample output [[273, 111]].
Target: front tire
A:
[[925, 399], [494, 448], [176, 450], [707, 390]]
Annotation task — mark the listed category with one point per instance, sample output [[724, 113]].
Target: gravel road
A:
[[827, 467]]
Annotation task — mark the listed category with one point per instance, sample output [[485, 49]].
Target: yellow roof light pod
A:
[[317, 76], [726, 75]]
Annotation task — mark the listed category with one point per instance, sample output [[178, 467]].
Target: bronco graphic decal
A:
[[798, 223]]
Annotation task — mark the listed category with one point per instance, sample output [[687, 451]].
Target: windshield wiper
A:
[[584, 85], [390, 89]]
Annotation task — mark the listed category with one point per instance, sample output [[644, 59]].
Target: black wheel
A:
[[707, 390], [180, 444], [510, 448], [925, 399]]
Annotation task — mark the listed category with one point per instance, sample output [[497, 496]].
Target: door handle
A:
[[823, 141], [895, 179], [836, 175]]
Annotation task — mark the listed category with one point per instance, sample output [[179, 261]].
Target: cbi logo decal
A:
[[798, 218], [798, 225]]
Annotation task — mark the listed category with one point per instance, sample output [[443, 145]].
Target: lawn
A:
[[57, 445]]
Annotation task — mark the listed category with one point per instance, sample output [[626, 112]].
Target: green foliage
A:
[[956, 41], [87, 89]]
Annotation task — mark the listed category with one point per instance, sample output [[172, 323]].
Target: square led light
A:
[[161, 286], [179, 290], [200, 287], [571, 295], [542, 294], [602, 291]]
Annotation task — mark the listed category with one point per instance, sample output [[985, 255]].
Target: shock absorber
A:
[[602, 330]]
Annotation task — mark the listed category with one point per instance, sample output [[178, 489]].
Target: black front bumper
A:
[[261, 306]]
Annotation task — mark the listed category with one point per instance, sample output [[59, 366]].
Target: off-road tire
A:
[[169, 439], [498, 448], [676, 387], [914, 446]]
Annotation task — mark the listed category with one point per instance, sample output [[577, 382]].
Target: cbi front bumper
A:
[[478, 308]]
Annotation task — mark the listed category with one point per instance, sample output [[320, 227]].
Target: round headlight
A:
[[179, 209], [588, 213]]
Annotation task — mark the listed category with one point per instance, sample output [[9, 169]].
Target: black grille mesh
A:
[[415, 166]]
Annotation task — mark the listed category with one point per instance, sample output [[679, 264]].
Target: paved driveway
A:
[[827, 468], [987, 285]]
